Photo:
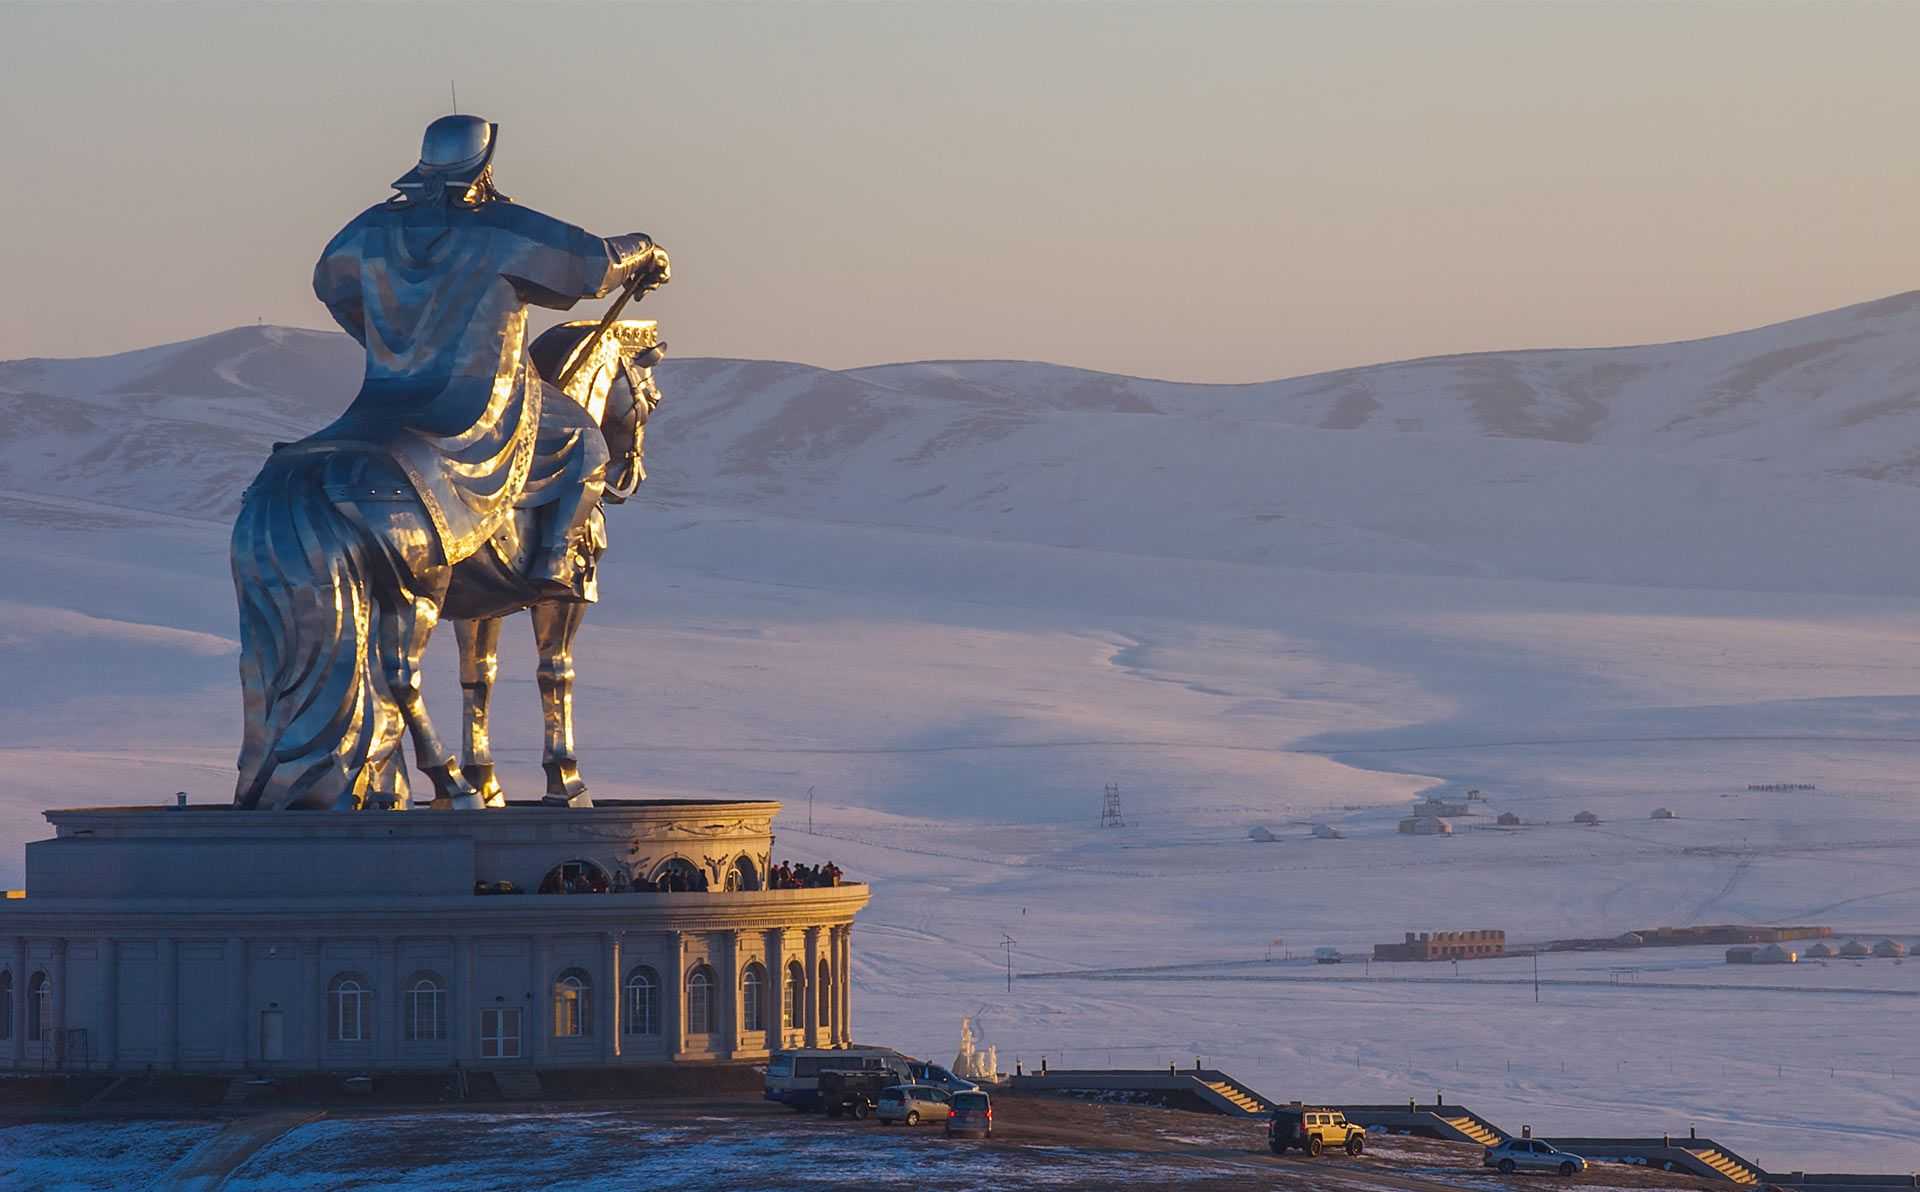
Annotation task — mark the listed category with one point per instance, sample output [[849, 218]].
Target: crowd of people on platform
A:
[[788, 876], [576, 878]]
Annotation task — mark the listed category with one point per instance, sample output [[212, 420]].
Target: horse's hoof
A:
[[481, 775], [472, 802], [565, 787]]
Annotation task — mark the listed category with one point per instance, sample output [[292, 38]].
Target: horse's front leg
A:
[[479, 667], [406, 623], [554, 624]]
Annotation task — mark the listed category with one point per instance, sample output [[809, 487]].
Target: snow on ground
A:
[[574, 1150], [82, 1156], [955, 601]]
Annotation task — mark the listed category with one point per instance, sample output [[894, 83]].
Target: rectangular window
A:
[[500, 1034]]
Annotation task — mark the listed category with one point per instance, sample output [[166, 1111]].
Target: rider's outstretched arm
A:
[[555, 264]]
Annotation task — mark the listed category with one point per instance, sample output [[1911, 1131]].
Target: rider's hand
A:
[[660, 267]]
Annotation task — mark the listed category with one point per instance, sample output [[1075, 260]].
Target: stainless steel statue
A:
[[463, 482]]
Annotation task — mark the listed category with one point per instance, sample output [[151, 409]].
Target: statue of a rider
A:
[[435, 282]]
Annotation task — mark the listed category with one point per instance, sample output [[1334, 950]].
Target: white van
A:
[[793, 1077]]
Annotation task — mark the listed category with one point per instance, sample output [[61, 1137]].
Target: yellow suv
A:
[[1313, 1129]]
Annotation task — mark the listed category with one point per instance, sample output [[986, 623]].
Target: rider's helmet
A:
[[455, 152]]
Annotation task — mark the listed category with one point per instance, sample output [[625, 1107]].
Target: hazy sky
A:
[[1213, 192]]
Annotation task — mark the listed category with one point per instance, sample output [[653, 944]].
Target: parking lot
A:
[[1038, 1142]]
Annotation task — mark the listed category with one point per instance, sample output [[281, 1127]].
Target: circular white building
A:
[[209, 939]]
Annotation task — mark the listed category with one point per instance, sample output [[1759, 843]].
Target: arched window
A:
[[39, 1007], [576, 877], [796, 1003], [349, 1009], [6, 1004], [743, 874], [679, 874], [700, 1008], [573, 1005], [753, 992], [826, 995], [642, 1015], [426, 1009]]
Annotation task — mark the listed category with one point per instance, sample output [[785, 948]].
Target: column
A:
[[18, 1046], [610, 1008], [777, 978], [843, 1020], [728, 971], [169, 1002], [386, 1000], [236, 1032], [59, 1040], [674, 977], [813, 987], [313, 996], [108, 1047], [463, 1001], [539, 1011]]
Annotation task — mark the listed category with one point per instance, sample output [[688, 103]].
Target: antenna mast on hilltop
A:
[[1110, 816]]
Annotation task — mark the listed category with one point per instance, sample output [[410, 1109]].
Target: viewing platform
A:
[[209, 939]]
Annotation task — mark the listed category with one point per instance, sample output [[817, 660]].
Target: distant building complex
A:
[[1445, 945]]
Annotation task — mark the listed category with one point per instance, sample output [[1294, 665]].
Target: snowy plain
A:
[[956, 600]]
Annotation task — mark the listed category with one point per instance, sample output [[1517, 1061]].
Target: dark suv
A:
[[853, 1090]]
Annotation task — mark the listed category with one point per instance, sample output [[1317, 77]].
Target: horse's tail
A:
[[314, 712]]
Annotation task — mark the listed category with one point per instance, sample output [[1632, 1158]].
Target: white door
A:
[[273, 1035]]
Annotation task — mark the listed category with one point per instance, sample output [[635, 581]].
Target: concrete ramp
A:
[[1449, 1123], [1205, 1089]]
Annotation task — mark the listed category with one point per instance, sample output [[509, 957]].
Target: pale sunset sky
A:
[[1219, 192]]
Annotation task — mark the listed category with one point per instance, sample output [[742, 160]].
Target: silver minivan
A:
[[912, 1104]]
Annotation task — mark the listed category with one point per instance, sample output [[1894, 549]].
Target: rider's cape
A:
[[439, 295]]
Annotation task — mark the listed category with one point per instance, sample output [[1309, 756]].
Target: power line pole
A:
[[1536, 976], [1006, 941], [1110, 808], [809, 811]]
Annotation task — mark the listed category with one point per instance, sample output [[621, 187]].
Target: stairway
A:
[[1728, 1166], [245, 1090], [519, 1084], [1475, 1130], [1248, 1101]]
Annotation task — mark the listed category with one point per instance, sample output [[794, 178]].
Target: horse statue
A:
[[339, 594]]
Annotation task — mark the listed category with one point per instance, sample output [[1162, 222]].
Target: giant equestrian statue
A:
[[464, 481]]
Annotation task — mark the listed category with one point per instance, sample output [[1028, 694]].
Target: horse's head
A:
[[615, 386], [630, 401]]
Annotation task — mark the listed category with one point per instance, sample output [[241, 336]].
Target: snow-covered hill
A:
[[1741, 461]]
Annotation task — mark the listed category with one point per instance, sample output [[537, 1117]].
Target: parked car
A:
[[1313, 1129], [970, 1113], [854, 1091], [1530, 1154], [911, 1103]]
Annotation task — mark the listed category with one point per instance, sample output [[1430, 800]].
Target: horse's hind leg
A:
[[554, 624], [405, 625], [479, 667]]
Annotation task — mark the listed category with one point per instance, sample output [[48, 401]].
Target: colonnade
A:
[[300, 1035]]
